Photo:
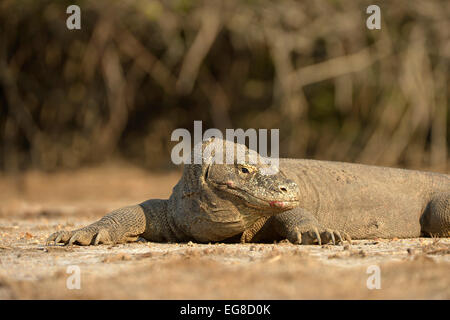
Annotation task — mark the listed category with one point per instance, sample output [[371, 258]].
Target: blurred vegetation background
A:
[[137, 70]]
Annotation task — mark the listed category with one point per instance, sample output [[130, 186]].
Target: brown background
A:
[[137, 70], [86, 118]]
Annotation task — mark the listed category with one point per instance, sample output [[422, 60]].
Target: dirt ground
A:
[[33, 205]]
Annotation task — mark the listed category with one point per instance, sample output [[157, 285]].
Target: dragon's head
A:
[[232, 191]]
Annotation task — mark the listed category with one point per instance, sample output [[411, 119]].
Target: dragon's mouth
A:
[[255, 201]]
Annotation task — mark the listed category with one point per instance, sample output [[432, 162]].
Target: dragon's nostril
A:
[[283, 189]]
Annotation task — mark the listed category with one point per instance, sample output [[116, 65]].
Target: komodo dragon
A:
[[306, 202]]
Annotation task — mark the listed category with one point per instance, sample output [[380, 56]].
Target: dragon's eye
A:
[[244, 170]]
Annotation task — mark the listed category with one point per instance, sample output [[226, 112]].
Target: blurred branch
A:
[[219, 103], [109, 134], [15, 105], [19, 111], [210, 27], [129, 45], [337, 67]]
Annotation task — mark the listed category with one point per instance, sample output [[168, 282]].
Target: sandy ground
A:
[[33, 205]]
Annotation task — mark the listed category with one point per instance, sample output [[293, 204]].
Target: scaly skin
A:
[[325, 202], [354, 201], [211, 202]]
